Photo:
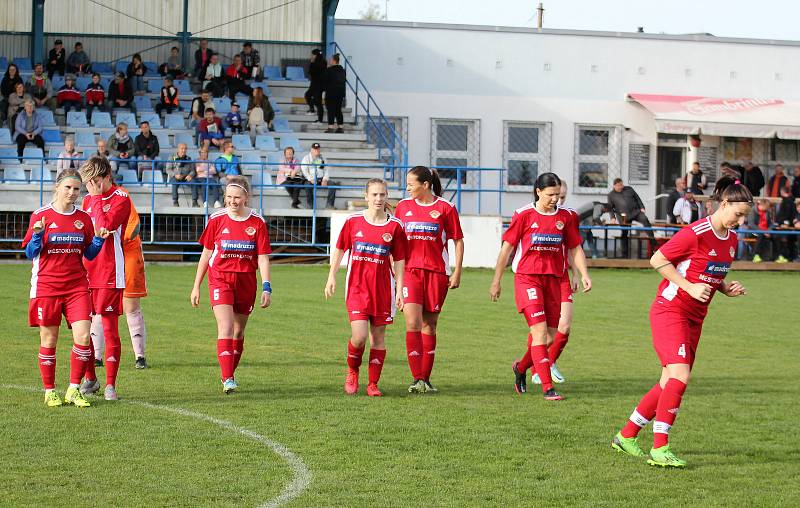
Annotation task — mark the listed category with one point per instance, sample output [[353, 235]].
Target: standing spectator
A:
[[173, 67], [145, 147], [8, 87], [316, 75], [259, 112], [725, 169], [207, 179], [201, 58], [41, 89], [198, 107], [168, 100], [752, 178], [234, 119], [120, 146], [214, 77], [28, 129], [56, 59], [210, 130], [796, 182], [764, 220], [687, 209], [95, 96], [69, 157], [236, 74], [16, 101], [227, 163], [776, 182], [785, 245], [120, 93], [335, 90], [628, 207], [182, 172], [315, 171], [696, 180], [673, 196], [251, 60], [68, 96], [135, 74], [290, 174], [78, 61]]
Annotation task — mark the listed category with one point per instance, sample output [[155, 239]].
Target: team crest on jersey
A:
[[435, 214], [733, 252], [387, 237], [250, 230], [559, 225], [106, 208], [78, 224]]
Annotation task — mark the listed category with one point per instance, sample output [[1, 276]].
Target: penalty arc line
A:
[[300, 472]]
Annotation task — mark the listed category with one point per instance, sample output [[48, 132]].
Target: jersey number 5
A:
[[682, 351]]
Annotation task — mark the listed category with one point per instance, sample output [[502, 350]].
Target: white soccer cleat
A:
[[556, 374], [110, 393]]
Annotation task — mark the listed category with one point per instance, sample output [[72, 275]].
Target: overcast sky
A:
[[765, 19]]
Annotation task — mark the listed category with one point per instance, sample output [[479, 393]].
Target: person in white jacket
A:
[[687, 209], [314, 170], [69, 157]]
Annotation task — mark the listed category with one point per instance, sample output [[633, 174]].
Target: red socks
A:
[[525, 362], [541, 362], [354, 356], [79, 359], [113, 347], [238, 349], [428, 355], [414, 349], [667, 410], [90, 373], [643, 413], [47, 366], [558, 345], [225, 357], [376, 359]]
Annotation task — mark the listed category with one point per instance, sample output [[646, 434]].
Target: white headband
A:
[[240, 186]]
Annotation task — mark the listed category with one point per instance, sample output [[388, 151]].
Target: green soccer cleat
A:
[[628, 445], [664, 457], [74, 396], [51, 399], [756, 259]]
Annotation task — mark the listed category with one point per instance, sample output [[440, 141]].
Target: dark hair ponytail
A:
[[425, 174], [731, 190], [544, 181]]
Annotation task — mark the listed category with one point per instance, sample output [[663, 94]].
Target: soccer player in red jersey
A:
[[59, 236], [694, 264], [109, 207], [374, 239], [235, 245], [543, 235], [429, 222]]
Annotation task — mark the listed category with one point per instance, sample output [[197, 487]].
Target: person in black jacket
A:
[[627, 207], [120, 94], [8, 86], [673, 196], [796, 182], [145, 147], [335, 90], [316, 75], [56, 59], [201, 58], [753, 178]]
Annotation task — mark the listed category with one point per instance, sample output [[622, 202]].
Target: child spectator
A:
[[207, 179], [95, 96], [169, 98], [56, 59], [41, 89], [68, 158], [182, 172], [68, 96], [78, 61], [228, 163], [234, 119], [210, 130], [120, 93], [135, 74]]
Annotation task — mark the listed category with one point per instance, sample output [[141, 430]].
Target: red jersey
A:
[[542, 240], [576, 222], [109, 210], [236, 243], [701, 257], [370, 283], [428, 227], [58, 269]]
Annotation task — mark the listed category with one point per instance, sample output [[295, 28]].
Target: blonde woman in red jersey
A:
[[59, 236], [543, 235], [429, 222]]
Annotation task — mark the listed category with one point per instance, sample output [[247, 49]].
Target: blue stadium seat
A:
[[152, 118], [274, 103], [241, 99], [85, 139], [128, 176], [32, 155], [127, 118], [295, 74], [3, 63], [163, 142], [52, 136], [256, 179], [14, 175], [106, 133], [121, 66], [77, 119], [264, 87], [273, 72], [222, 104], [185, 138], [105, 83], [265, 143], [183, 86], [102, 68], [274, 158], [5, 137], [148, 176], [152, 69], [8, 157], [281, 125], [24, 64], [82, 82], [242, 141], [142, 103], [57, 82], [52, 153], [292, 141], [251, 157], [101, 119], [47, 118], [154, 86], [38, 175], [174, 121], [193, 154]]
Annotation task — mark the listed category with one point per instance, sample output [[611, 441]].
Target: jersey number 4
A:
[[682, 351]]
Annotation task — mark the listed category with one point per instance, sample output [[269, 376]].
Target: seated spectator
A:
[[8, 86], [173, 67], [763, 220], [145, 148], [207, 179], [214, 77], [628, 207], [777, 182], [687, 209], [120, 147], [785, 245], [101, 149], [135, 74], [182, 172], [236, 75], [314, 170], [69, 97], [198, 108], [201, 58], [696, 181], [673, 196], [56, 59], [251, 60], [16, 101], [28, 128], [290, 174], [41, 89], [69, 157], [168, 100], [78, 61], [120, 93], [234, 119], [259, 113], [209, 131], [796, 183], [227, 163], [95, 96]]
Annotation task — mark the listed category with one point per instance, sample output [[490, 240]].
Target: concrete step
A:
[[348, 128]]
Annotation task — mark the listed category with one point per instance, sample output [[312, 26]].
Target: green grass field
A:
[[476, 443]]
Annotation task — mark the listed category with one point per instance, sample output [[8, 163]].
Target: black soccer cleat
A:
[[520, 384]]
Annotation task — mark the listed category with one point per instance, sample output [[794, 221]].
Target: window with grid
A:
[[454, 143], [526, 153], [597, 158], [784, 150], [379, 134]]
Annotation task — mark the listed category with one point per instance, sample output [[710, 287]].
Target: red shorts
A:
[[425, 288], [539, 298], [566, 288], [47, 310], [374, 320], [675, 335], [106, 301], [233, 288]]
